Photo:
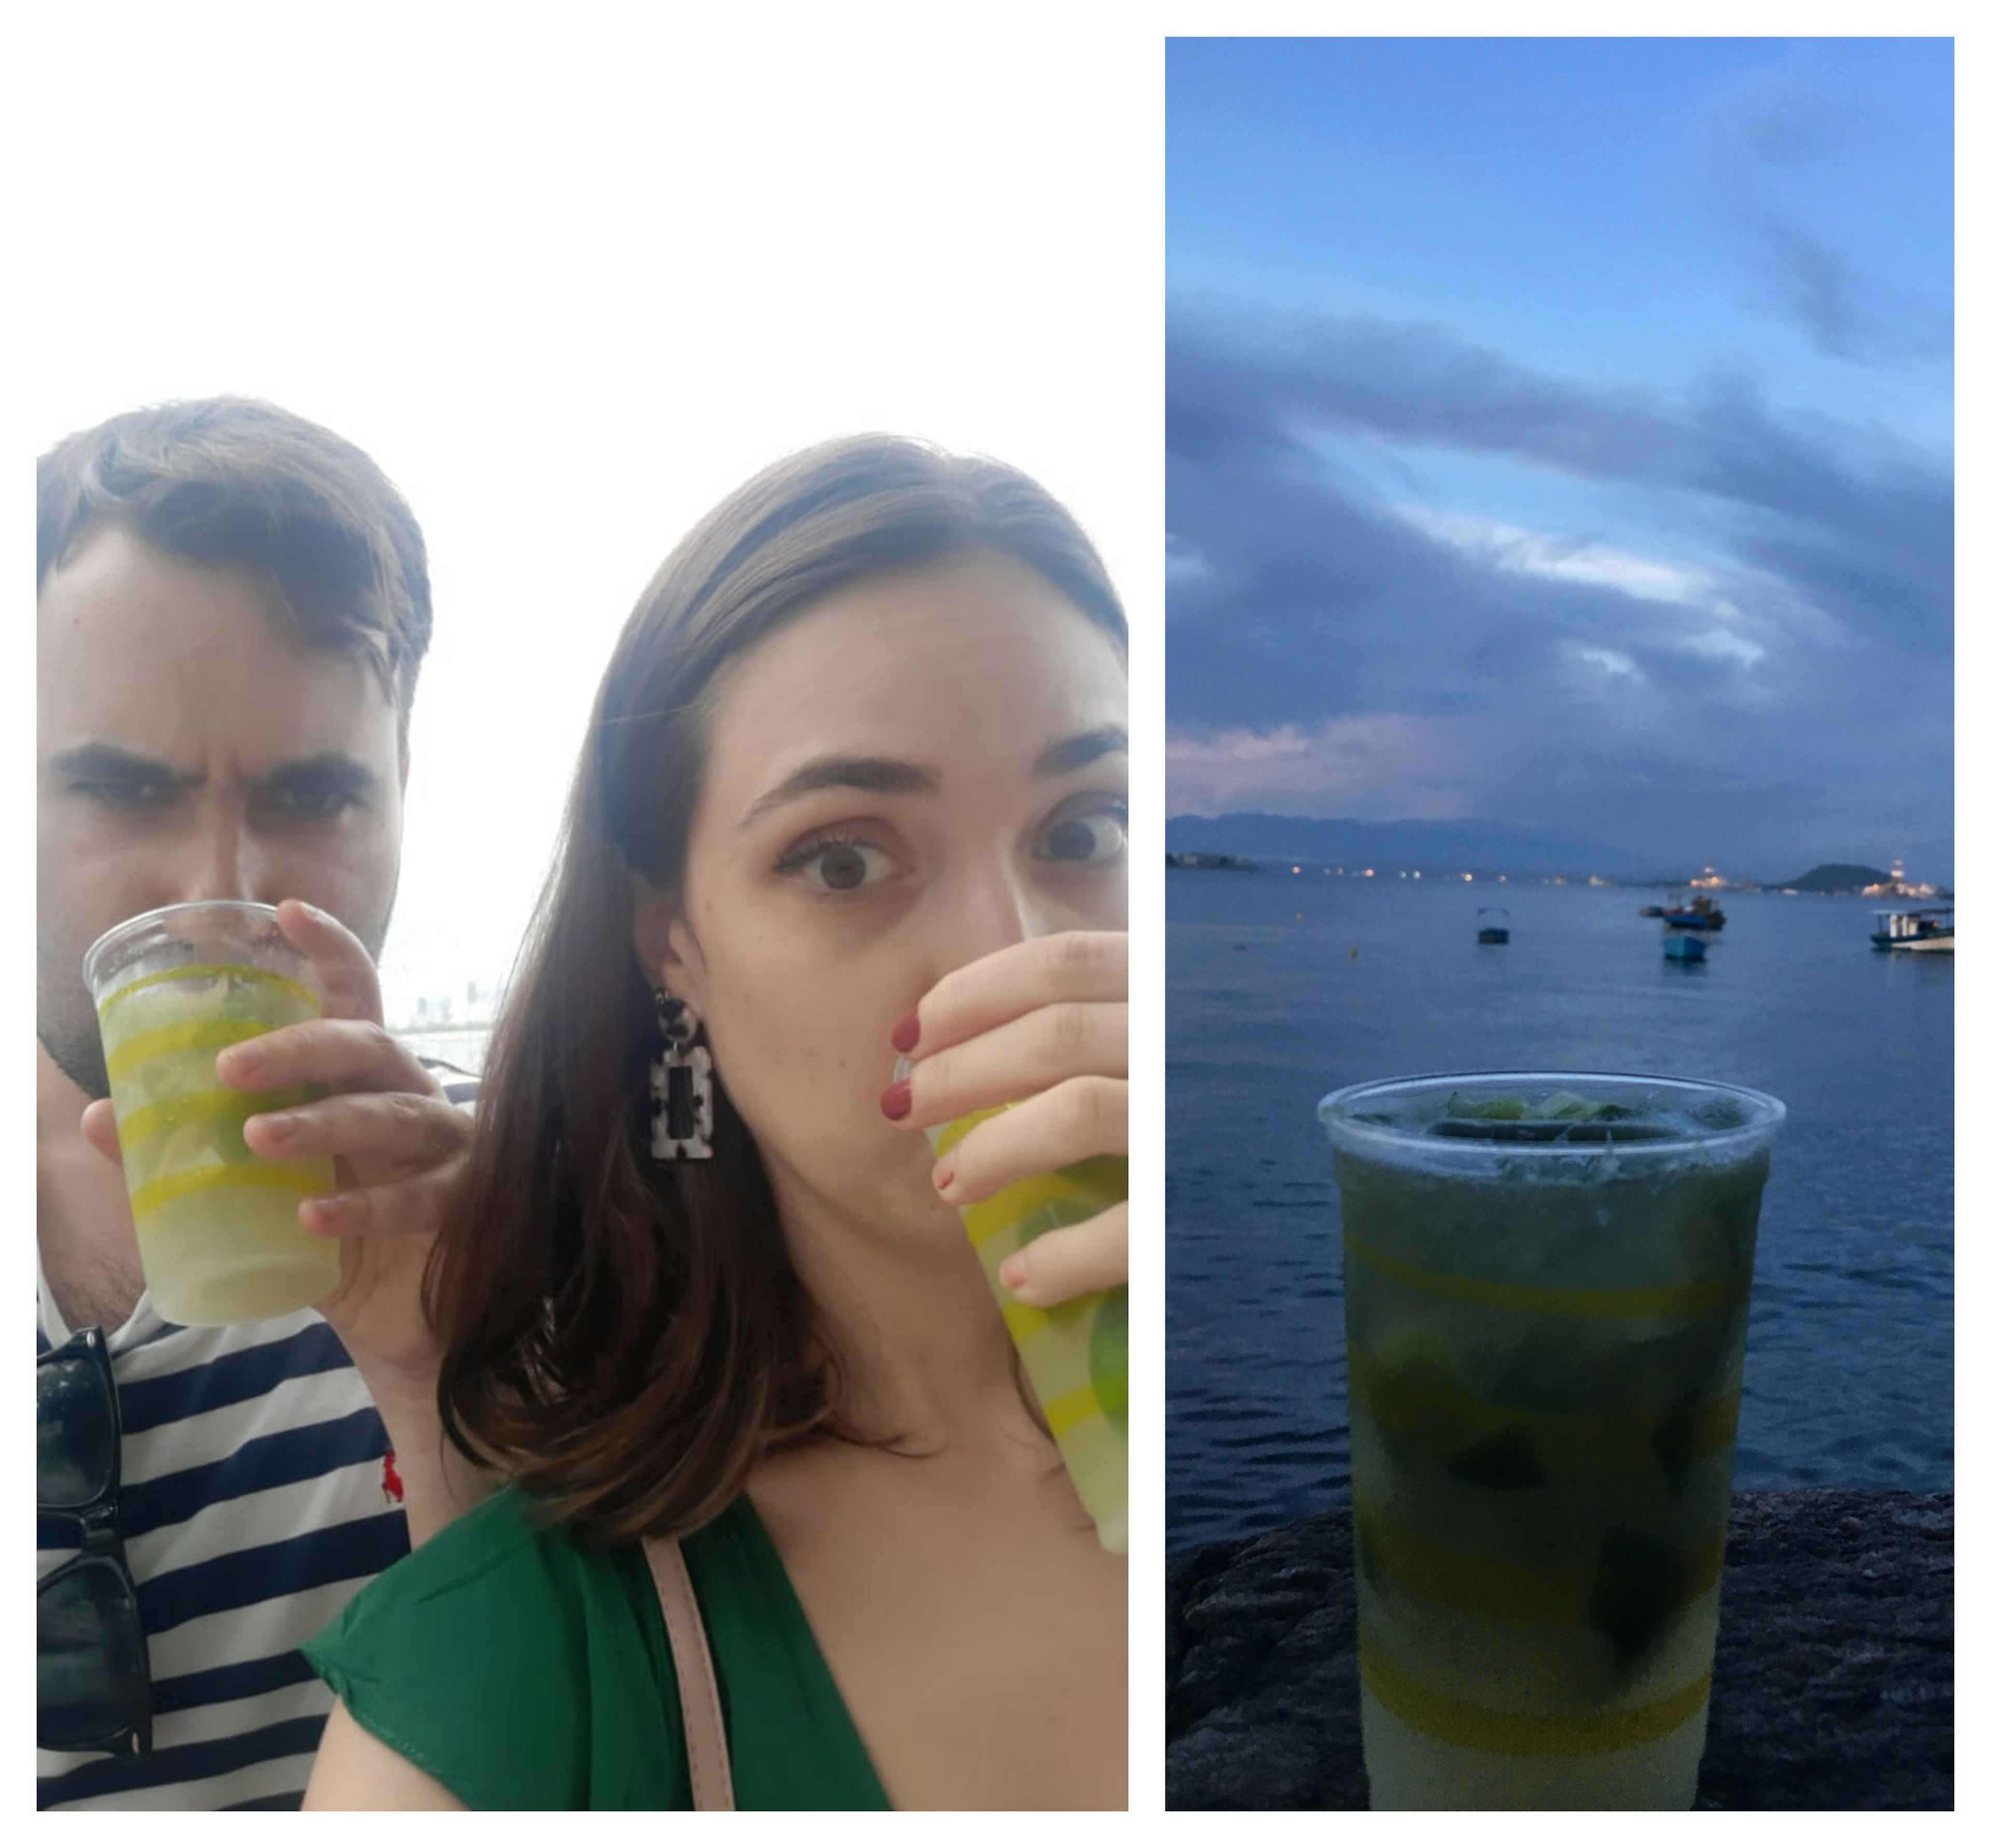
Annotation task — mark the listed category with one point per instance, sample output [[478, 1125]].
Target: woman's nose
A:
[[997, 908]]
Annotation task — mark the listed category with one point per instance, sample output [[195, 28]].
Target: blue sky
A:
[[1561, 430]]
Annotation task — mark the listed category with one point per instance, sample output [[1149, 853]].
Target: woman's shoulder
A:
[[489, 1654], [506, 1544]]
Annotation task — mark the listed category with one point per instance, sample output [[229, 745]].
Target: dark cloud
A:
[[1822, 289], [1759, 694], [1778, 137], [1844, 310]]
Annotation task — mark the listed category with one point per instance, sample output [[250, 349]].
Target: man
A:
[[232, 608]]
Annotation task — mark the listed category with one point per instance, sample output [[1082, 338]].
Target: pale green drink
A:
[[217, 1224], [1074, 1354], [1547, 1288]]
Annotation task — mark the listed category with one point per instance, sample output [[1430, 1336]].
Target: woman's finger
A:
[[386, 1134], [1067, 1263], [1066, 966], [345, 971], [343, 1055], [1018, 1059], [1071, 1122]]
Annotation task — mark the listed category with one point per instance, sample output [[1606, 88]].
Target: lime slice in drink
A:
[[1565, 1115]]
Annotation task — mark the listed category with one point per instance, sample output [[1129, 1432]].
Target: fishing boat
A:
[[1652, 911], [1932, 930], [1494, 924], [1684, 946], [1700, 912]]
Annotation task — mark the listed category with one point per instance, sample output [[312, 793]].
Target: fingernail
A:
[[906, 1035], [276, 1128], [897, 1101], [324, 1210], [1016, 1274], [943, 1178]]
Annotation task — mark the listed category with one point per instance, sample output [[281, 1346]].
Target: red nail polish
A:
[[897, 1101], [906, 1035]]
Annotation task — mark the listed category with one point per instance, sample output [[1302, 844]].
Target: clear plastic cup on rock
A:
[[1547, 1282]]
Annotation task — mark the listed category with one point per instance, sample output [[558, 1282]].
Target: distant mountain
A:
[[1428, 846], [1837, 876]]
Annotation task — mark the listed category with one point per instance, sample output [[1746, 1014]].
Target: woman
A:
[[855, 785]]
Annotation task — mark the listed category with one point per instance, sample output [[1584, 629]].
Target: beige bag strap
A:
[[697, 1686]]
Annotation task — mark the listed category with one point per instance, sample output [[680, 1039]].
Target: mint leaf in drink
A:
[[1566, 1107], [1486, 1109]]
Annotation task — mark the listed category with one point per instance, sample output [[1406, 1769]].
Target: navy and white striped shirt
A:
[[254, 1505]]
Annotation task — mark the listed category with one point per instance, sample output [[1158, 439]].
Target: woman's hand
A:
[[1041, 1026]]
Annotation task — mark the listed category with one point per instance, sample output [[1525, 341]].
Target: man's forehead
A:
[[124, 628], [222, 716]]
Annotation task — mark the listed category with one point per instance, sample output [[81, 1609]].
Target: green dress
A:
[[523, 1671]]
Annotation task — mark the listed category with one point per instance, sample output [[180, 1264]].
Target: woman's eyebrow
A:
[[1082, 748], [894, 776], [879, 776]]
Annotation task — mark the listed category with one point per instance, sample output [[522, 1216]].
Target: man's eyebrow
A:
[[878, 776], [1082, 748], [328, 773], [108, 761]]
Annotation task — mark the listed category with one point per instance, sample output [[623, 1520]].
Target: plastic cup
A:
[[218, 1231], [1074, 1353], [1548, 1295]]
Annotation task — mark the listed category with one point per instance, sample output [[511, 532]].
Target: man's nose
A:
[[224, 860]]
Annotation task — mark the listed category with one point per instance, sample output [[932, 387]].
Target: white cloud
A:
[[1384, 767], [1537, 554], [1719, 644], [1543, 554]]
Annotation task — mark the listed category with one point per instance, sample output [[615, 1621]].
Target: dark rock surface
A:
[[1832, 1676]]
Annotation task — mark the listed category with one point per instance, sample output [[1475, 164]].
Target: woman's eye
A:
[[841, 866], [1092, 840]]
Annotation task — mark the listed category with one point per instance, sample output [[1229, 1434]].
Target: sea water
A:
[[1850, 1346]]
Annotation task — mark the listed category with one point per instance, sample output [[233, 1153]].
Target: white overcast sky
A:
[[570, 284]]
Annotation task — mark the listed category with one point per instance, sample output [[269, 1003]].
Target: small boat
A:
[[1652, 911], [1684, 946], [1932, 930], [1494, 924], [1700, 912]]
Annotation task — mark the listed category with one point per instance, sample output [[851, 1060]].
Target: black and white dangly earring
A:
[[680, 1087]]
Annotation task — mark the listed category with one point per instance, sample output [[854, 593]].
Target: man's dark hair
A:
[[235, 482]]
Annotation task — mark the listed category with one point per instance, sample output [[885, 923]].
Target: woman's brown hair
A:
[[626, 1337]]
